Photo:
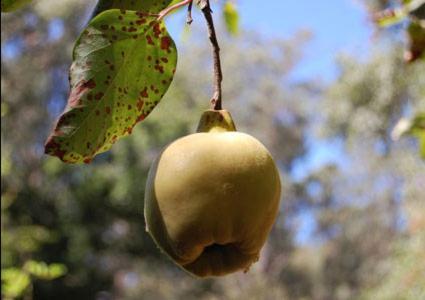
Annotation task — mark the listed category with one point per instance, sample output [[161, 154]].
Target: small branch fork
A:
[[216, 102]]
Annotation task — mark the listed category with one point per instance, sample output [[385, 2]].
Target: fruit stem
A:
[[218, 76]]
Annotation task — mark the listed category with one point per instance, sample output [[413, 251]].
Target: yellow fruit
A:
[[212, 197]]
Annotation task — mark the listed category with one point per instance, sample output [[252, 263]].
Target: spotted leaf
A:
[[124, 62]]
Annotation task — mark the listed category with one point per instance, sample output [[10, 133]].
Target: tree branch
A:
[[218, 76], [189, 19]]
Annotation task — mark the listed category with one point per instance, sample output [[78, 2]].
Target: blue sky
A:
[[337, 26]]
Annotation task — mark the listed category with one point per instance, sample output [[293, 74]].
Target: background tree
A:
[[365, 206]]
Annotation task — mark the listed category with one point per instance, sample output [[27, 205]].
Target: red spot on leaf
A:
[[144, 93], [141, 21], [140, 105], [156, 30], [149, 40], [140, 118], [165, 43], [53, 148], [98, 96]]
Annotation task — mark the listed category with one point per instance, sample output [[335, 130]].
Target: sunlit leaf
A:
[[43, 271], [414, 127], [174, 2], [418, 129], [124, 62], [147, 6], [12, 5], [26, 239], [4, 109], [231, 17], [57, 270], [6, 162], [14, 282], [390, 17]]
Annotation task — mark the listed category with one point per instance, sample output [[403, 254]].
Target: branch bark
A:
[[216, 102]]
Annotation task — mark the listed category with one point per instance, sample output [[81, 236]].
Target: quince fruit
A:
[[212, 197]]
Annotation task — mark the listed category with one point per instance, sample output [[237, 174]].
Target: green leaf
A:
[[414, 127], [231, 18], [43, 271], [14, 282], [390, 17], [26, 239], [174, 2], [12, 5], [124, 62], [418, 129], [147, 6], [416, 49]]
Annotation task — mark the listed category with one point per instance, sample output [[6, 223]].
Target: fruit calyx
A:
[[216, 121]]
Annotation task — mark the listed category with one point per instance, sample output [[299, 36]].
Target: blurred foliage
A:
[[231, 17], [364, 205], [393, 15], [411, 12], [11, 5], [16, 282], [413, 126]]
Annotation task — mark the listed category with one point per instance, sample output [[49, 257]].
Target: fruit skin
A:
[[212, 197]]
